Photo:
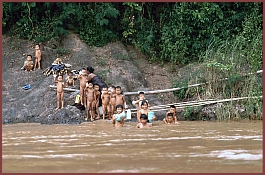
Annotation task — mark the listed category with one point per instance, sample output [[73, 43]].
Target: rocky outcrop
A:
[[38, 103]]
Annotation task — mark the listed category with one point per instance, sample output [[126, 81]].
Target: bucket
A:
[[129, 114], [118, 116], [77, 99], [150, 115]]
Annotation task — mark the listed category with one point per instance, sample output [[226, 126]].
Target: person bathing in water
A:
[[118, 118], [143, 122], [144, 110]]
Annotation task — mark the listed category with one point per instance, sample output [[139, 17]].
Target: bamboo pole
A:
[[193, 103], [65, 89], [154, 91], [174, 89], [162, 91]]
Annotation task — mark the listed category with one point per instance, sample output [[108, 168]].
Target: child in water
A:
[[169, 119], [144, 110], [172, 110], [143, 122], [118, 118]]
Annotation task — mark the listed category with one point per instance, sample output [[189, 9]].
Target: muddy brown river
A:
[[96, 147]]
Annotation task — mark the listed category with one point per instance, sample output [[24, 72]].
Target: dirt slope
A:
[[116, 64]]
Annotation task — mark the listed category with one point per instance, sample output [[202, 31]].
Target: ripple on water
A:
[[237, 154], [232, 154]]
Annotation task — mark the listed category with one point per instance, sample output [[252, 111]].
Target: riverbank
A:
[[115, 63]]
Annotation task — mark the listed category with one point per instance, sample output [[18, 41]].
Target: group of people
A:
[[28, 64], [94, 93], [145, 116]]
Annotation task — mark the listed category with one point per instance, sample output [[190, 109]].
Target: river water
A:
[[97, 147]]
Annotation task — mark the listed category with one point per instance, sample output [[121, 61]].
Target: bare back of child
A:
[[96, 102]]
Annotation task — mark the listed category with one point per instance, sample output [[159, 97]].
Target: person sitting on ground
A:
[[70, 80], [28, 64], [143, 122], [172, 109], [60, 93], [118, 118], [169, 119]]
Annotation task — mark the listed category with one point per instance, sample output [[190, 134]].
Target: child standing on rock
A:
[[60, 93], [83, 80], [96, 102], [37, 56], [119, 98], [112, 92], [90, 97], [105, 96]]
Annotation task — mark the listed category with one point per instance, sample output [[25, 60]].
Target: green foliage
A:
[[176, 32], [188, 113], [181, 94]]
